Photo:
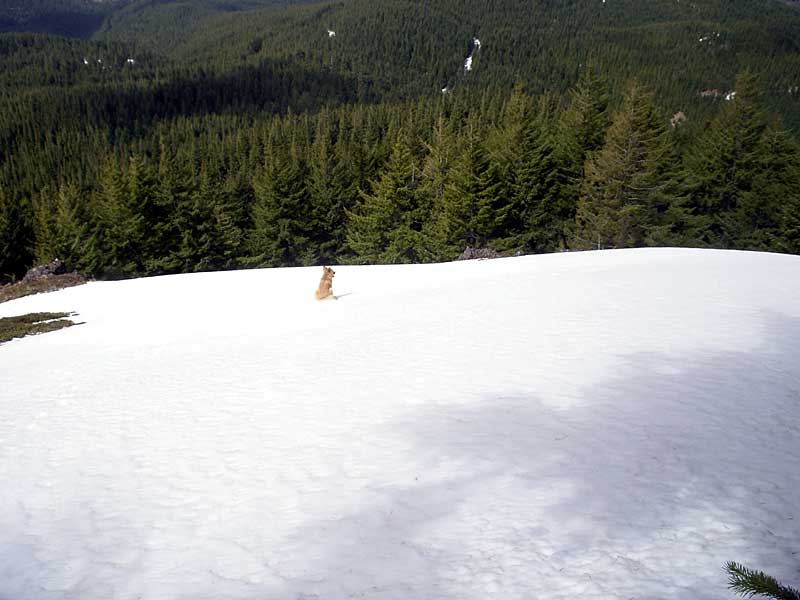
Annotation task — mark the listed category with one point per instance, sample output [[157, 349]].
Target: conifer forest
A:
[[142, 137]]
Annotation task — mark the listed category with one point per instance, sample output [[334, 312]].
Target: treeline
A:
[[413, 182]]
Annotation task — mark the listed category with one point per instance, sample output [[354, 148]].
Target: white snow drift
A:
[[590, 425]]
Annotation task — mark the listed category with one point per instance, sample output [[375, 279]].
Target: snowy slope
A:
[[589, 425]]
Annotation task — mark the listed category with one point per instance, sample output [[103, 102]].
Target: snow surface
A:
[[587, 425]]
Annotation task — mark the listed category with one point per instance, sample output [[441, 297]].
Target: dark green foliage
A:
[[722, 165], [629, 185], [31, 324], [748, 583], [466, 216], [389, 226], [15, 237], [281, 217], [761, 217], [242, 134]]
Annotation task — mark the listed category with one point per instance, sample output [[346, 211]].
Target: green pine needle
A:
[[748, 583]]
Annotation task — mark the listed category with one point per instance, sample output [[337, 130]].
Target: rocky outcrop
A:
[[55, 267]]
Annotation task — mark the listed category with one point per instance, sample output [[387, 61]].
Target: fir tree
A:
[[281, 223], [629, 184], [541, 199], [202, 245], [467, 217], [722, 165], [748, 583], [15, 235], [758, 221], [112, 244], [436, 175], [387, 227], [60, 231]]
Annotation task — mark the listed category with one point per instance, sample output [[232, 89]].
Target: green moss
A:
[[31, 324]]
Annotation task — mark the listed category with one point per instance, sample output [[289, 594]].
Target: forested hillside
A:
[[208, 135]]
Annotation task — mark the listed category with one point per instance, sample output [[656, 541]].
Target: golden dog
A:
[[325, 289]]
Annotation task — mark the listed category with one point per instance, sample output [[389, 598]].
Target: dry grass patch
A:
[[51, 283]]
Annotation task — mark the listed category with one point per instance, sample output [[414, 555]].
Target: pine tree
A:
[[112, 244], [387, 227], [436, 175], [760, 216], [747, 583], [281, 221], [330, 193], [629, 185], [60, 230], [722, 165], [142, 200], [202, 244], [541, 196], [171, 198], [505, 145], [585, 121], [15, 235]]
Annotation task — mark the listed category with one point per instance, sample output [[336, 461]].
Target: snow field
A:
[[601, 424]]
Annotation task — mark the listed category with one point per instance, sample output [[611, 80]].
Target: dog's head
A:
[[328, 272]]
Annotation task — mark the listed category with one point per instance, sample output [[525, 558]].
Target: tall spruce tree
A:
[[630, 184], [200, 243], [281, 222], [467, 217], [60, 230], [542, 203], [584, 123], [388, 225], [16, 232], [722, 165], [759, 220], [113, 242], [436, 175]]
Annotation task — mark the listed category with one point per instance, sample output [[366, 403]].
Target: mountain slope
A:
[[74, 18], [408, 48], [601, 424]]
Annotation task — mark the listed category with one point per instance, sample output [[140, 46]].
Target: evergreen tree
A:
[[722, 166], [388, 226], [505, 145], [436, 175], [747, 583], [584, 123], [15, 235], [759, 219], [281, 221], [170, 198], [60, 231], [467, 217], [112, 246], [542, 195], [330, 193], [629, 185], [790, 224], [201, 244]]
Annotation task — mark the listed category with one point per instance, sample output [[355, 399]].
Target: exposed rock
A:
[[471, 253], [55, 267]]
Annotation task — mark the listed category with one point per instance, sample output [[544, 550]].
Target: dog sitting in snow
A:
[[325, 289]]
